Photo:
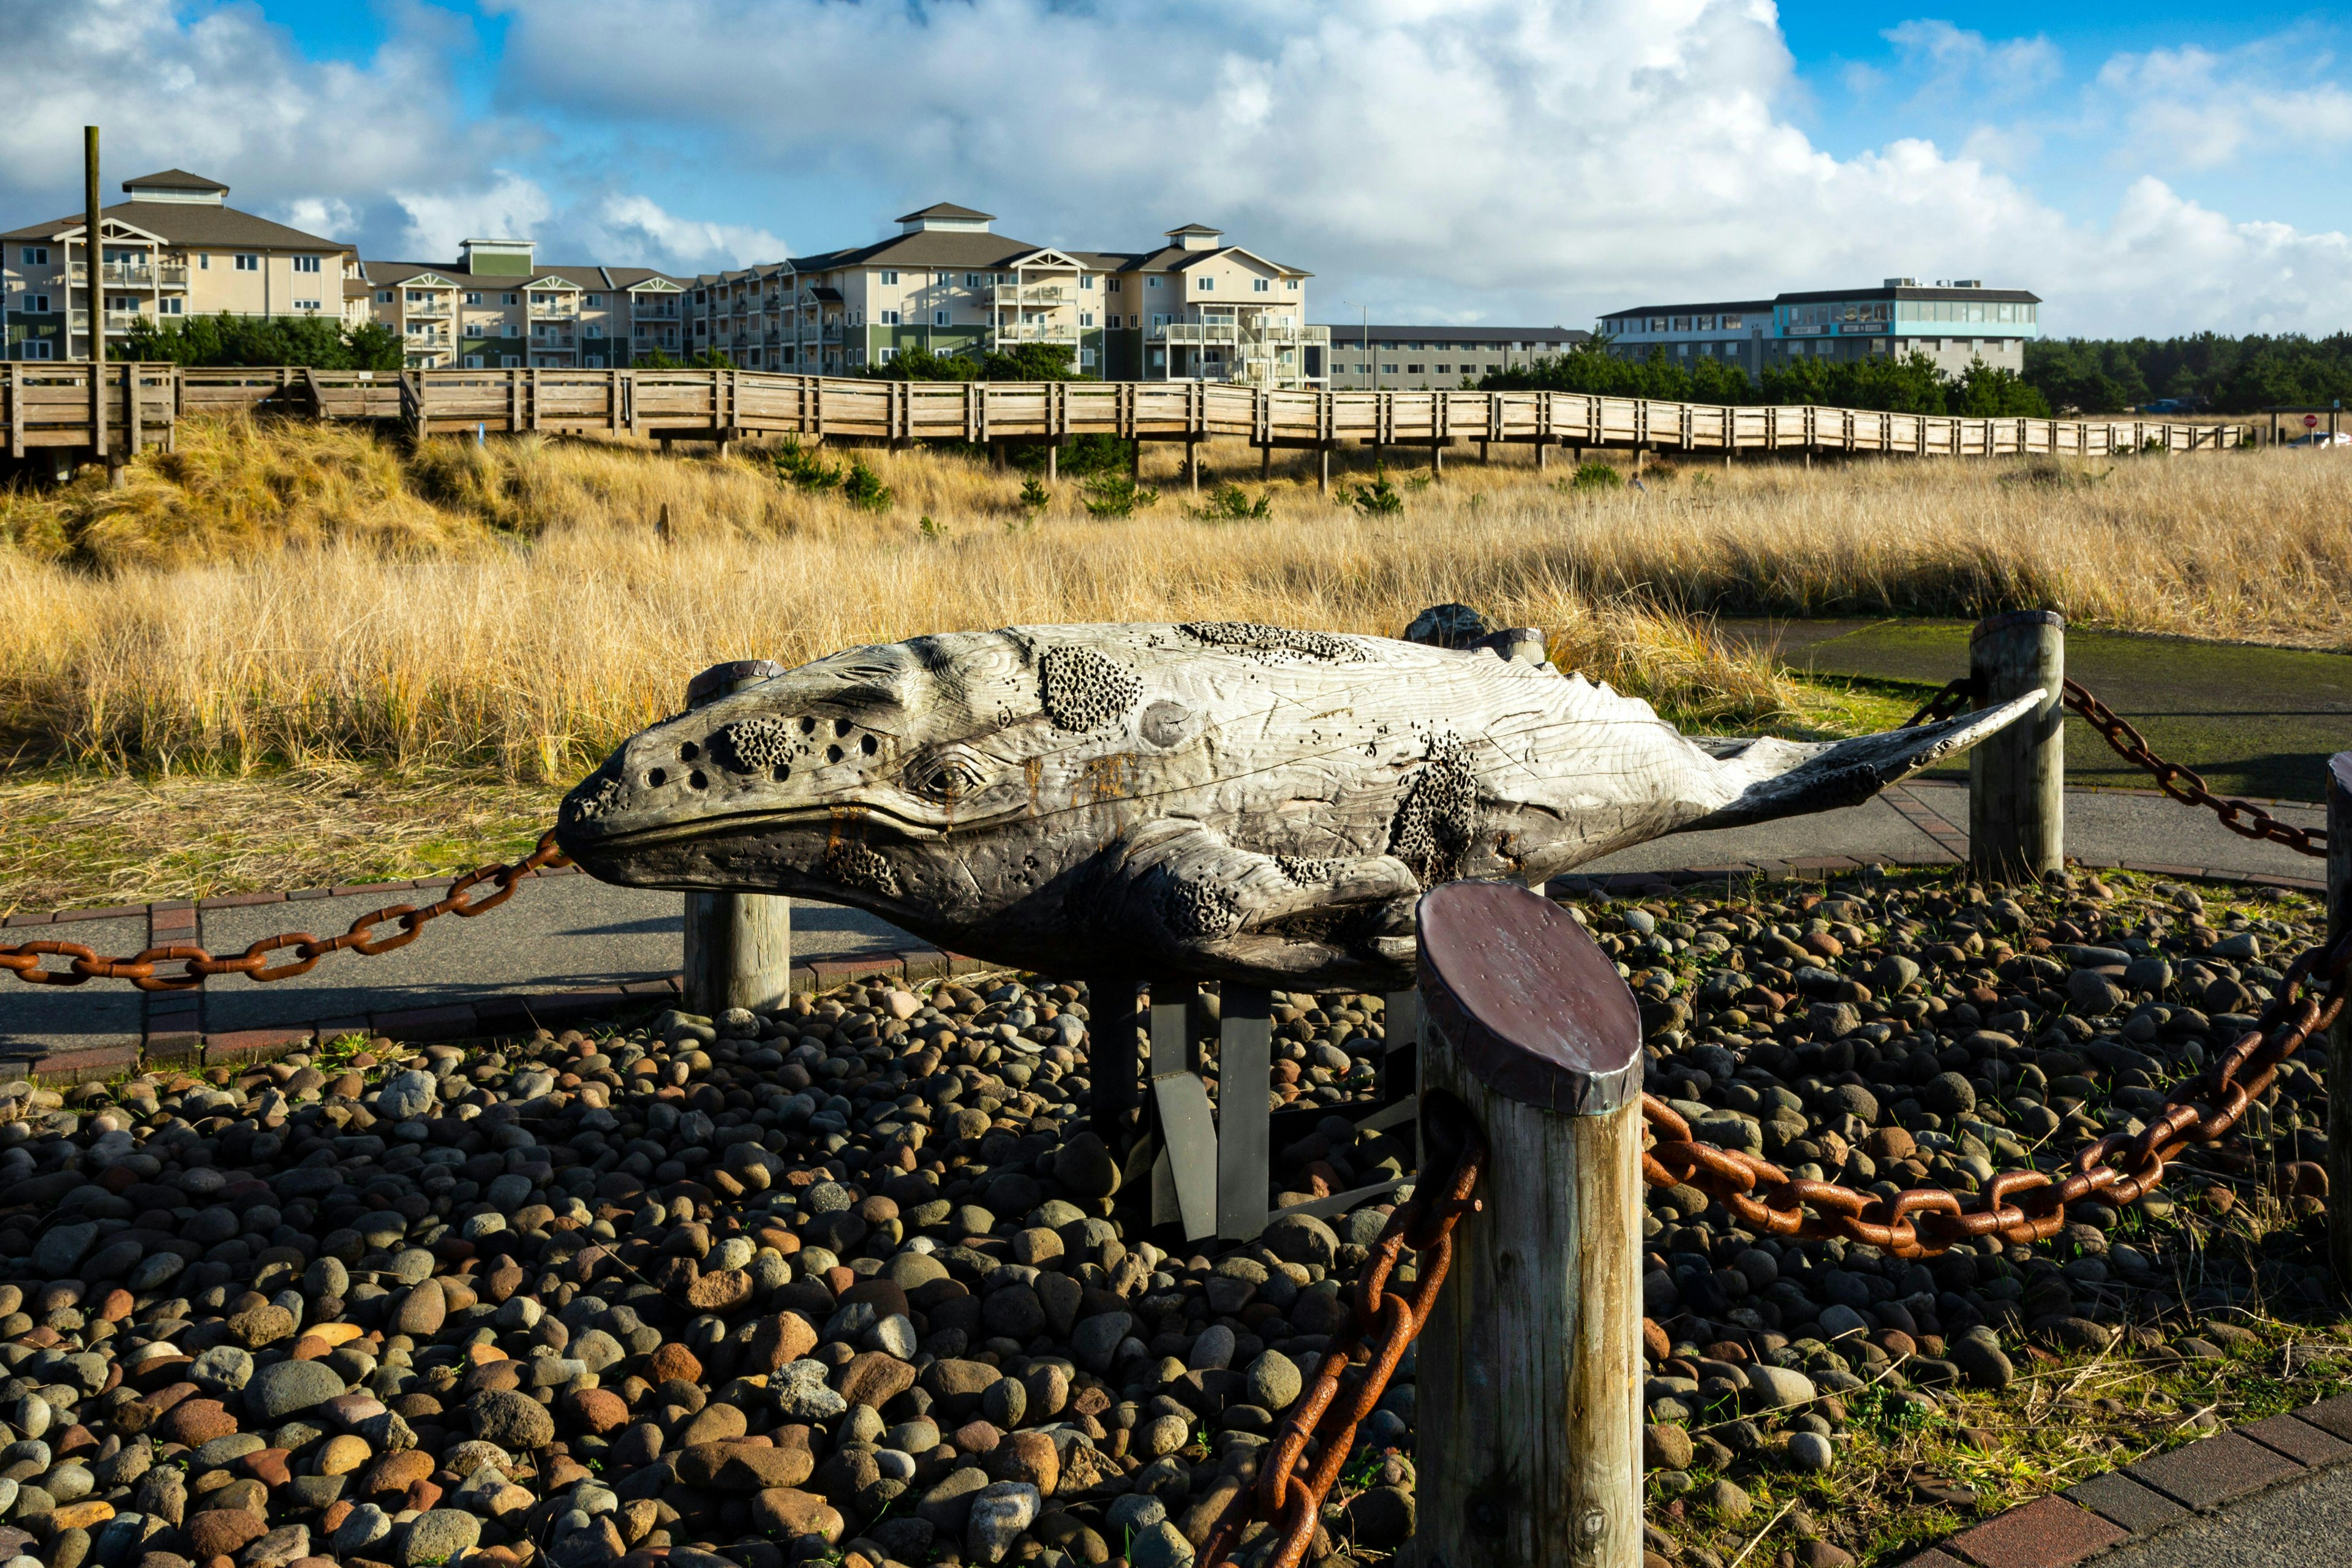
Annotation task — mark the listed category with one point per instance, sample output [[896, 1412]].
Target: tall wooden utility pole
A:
[[95, 271]]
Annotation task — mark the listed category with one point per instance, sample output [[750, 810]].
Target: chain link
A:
[[1356, 1367], [2243, 817], [23, 960], [2017, 1206]]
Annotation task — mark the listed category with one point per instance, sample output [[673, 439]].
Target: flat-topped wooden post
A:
[[2340, 1064], [738, 946], [2017, 779], [1530, 1367]]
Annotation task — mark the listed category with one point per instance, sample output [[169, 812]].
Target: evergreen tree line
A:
[[2226, 375], [1910, 384], [323, 343]]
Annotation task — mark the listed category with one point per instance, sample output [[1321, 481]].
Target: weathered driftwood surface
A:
[[1215, 799]]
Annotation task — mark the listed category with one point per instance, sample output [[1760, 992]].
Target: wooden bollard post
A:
[[2340, 1041], [738, 946], [1530, 1367], [2017, 779]]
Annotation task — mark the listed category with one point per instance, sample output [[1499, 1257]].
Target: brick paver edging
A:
[[2109, 1510]]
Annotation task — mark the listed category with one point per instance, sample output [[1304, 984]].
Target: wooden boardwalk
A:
[[45, 406]]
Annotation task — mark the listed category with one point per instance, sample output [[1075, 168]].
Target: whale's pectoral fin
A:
[[1183, 893], [1792, 778]]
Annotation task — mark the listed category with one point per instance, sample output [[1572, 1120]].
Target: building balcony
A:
[[654, 310], [1011, 294], [1197, 334], [552, 341], [427, 309], [568, 310], [1034, 331], [426, 340]]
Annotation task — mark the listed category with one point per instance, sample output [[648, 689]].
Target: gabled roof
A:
[[1190, 228], [947, 210], [190, 223], [177, 180]]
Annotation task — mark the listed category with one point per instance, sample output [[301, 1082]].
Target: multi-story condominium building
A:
[[497, 307], [1372, 356], [1953, 323], [1193, 309], [174, 249]]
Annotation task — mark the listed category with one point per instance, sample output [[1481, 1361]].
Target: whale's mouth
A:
[[867, 816]]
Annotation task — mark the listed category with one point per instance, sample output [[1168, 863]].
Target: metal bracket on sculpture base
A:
[[1210, 1173]]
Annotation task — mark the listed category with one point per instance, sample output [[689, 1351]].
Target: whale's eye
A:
[[948, 773]]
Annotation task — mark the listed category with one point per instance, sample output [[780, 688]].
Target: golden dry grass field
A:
[[319, 604]]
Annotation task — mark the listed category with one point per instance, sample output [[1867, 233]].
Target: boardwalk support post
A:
[[2017, 779], [1530, 1366], [738, 946], [2340, 1066]]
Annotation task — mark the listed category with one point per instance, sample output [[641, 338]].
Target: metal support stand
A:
[[738, 946]]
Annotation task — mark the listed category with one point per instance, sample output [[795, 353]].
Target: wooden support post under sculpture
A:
[[738, 946], [1245, 1059], [1530, 1366], [2017, 781], [1114, 1069], [2340, 1066]]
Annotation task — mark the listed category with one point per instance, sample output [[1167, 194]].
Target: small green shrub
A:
[[797, 465], [1035, 496], [1593, 476], [930, 528], [1231, 503], [1116, 495], [862, 487], [1379, 499]]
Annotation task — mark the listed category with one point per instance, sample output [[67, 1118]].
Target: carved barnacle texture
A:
[[1437, 818], [754, 745], [592, 798], [1309, 873], [1083, 690], [857, 866], [1200, 911], [1276, 643]]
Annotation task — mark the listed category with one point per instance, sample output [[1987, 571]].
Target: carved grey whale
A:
[[1215, 799]]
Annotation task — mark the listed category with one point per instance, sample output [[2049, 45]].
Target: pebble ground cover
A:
[[854, 1283]]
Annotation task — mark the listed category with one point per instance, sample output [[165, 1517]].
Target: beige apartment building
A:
[[176, 248], [1193, 308], [495, 308]]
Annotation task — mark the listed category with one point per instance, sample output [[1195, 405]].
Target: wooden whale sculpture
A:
[[1215, 799]]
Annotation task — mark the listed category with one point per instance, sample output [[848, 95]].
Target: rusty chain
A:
[[2016, 1205], [2243, 817], [24, 959], [1291, 1482]]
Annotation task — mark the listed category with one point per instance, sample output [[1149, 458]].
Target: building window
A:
[[889, 277], [36, 256], [1085, 357], [592, 330], [472, 299], [595, 301], [1262, 286], [420, 297], [1389, 368], [301, 304], [939, 318], [1207, 285], [972, 279], [889, 318], [249, 262], [509, 299], [1154, 283], [473, 361], [478, 330], [306, 264], [36, 348], [37, 304], [1291, 284], [1447, 369], [884, 355], [1086, 318], [1112, 287], [1086, 280], [384, 296], [204, 262], [509, 361]]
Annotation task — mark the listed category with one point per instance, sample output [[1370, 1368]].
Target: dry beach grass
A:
[[305, 595]]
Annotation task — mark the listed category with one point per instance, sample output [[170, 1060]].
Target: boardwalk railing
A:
[[50, 405]]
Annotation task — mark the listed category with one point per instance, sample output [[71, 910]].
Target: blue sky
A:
[[2149, 167]]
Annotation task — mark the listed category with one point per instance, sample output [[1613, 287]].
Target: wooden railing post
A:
[[1530, 1367], [738, 946], [2339, 1040], [2017, 779]]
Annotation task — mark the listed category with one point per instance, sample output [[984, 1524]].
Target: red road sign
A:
[[2311, 421]]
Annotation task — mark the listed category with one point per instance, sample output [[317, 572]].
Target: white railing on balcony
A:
[[434, 307], [562, 310], [1033, 294], [1035, 332], [654, 310], [172, 275]]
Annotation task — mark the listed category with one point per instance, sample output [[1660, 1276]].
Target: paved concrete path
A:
[[2307, 1523], [567, 944]]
